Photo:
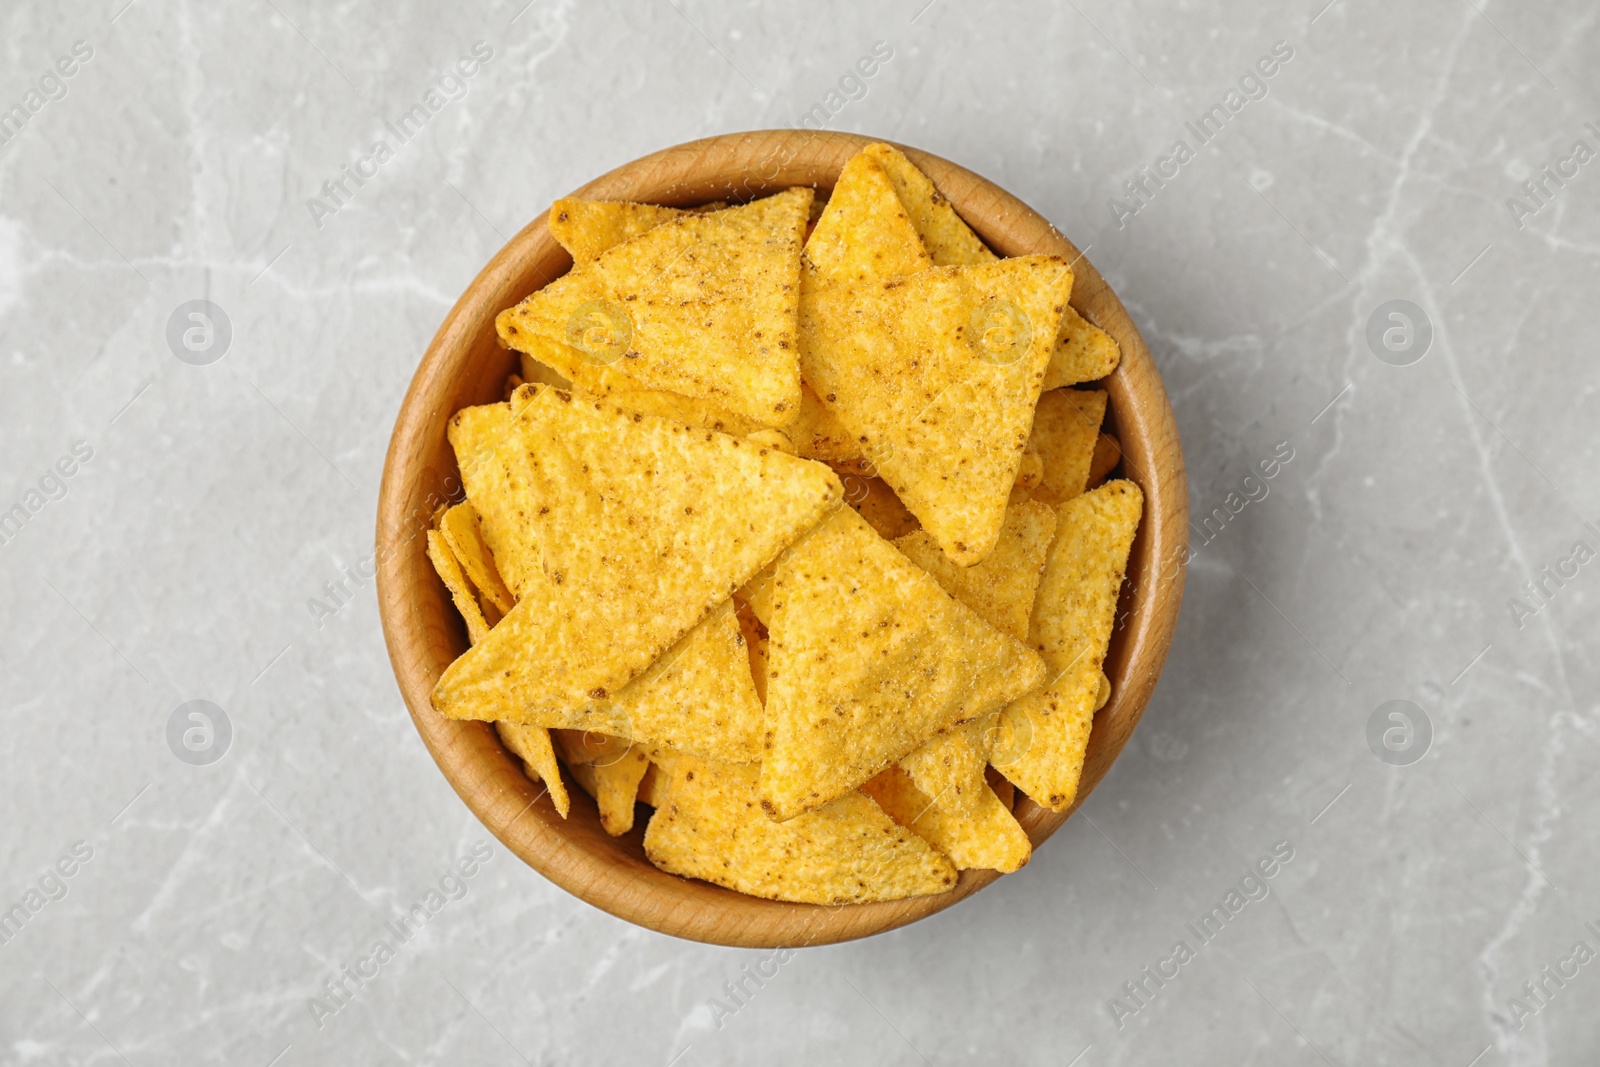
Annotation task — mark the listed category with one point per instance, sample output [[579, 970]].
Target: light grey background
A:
[[220, 499]]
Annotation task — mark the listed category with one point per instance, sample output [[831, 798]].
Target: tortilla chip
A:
[[755, 640], [937, 374], [1001, 588], [864, 234], [991, 839], [1065, 428], [869, 658], [698, 697], [586, 228], [444, 561], [1083, 353], [1107, 454], [650, 789], [461, 531], [1031, 470], [642, 527], [757, 594], [616, 789], [1104, 696], [875, 501], [532, 745], [949, 240], [702, 305], [494, 473], [818, 435], [708, 826], [1043, 736], [949, 766]]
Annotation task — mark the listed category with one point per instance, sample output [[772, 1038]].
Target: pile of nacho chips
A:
[[795, 530]]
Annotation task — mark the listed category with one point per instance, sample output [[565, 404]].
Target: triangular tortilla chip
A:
[[707, 825], [461, 531], [703, 305], [1083, 352], [864, 234], [586, 228], [643, 526], [1066, 427], [494, 473], [532, 745], [444, 561], [991, 839], [949, 240], [698, 697], [949, 767], [868, 659], [1044, 735], [937, 373]]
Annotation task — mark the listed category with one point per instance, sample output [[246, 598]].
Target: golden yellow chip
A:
[[868, 659], [818, 435], [616, 790], [1001, 588], [703, 305], [609, 769], [757, 594], [949, 240], [698, 697], [532, 745], [1065, 429], [875, 501], [1107, 454], [707, 825], [444, 561], [1043, 736], [949, 766], [937, 374], [1031, 471], [642, 526], [864, 234], [991, 839], [494, 473], [586, 228], [461, 531], [1083, 353], [650, 791]]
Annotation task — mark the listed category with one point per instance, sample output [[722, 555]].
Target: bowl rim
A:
[[423, 634]]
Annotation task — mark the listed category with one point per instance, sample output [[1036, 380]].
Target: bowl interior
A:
[[465, 365]]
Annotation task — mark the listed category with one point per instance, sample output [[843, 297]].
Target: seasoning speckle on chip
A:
[[815, 703]]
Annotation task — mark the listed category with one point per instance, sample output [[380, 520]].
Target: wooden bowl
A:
[[464, 365]]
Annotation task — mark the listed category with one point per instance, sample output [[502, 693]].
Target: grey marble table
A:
[[1362, 240]]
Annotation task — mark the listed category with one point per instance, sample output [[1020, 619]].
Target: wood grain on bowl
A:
[[465, 365]]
